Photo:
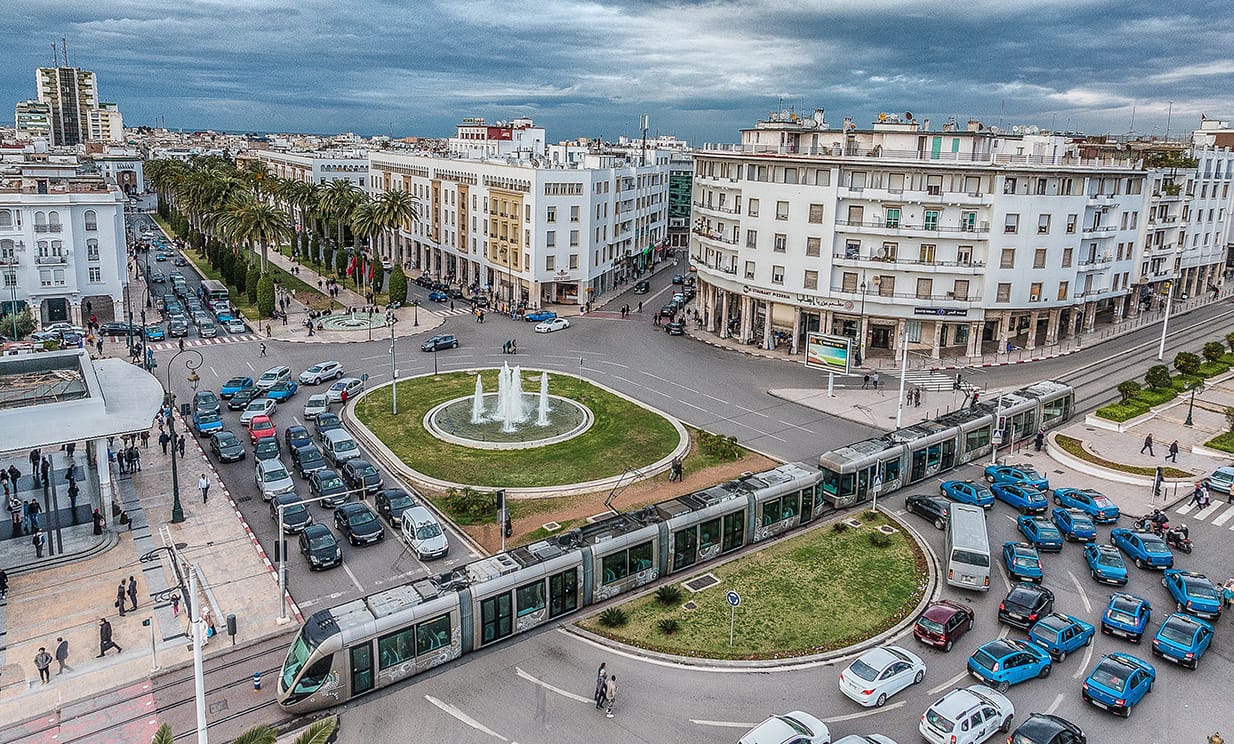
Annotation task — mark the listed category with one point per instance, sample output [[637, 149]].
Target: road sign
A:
[[733, 598]]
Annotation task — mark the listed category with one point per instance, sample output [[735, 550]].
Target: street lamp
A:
[[393, 369], [1191, 404], [861, 322], [415, 310], [177, 510]]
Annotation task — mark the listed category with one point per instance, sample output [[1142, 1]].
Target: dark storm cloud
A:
[[700, 69]]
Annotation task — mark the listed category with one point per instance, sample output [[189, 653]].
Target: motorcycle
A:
[[1175, 538]]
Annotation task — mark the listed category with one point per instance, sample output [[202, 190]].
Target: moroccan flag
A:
[[372, 269], [351, 265]]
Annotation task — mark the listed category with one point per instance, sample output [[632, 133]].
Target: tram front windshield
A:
[[296, 658]]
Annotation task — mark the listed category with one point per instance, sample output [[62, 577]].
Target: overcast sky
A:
[[701, 70]]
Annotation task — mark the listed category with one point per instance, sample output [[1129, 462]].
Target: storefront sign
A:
[[826, 302], [949, 312], [747, 289], [562, 276], [832, 353]]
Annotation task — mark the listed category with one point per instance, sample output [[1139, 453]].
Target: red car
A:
[[942, 624], [261, 426]]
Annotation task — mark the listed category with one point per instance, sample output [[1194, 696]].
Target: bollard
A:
[[256, 681]]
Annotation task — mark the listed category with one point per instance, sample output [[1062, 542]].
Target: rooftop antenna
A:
[[642, 123], [55, 55], [65, 44], [1131, 129]]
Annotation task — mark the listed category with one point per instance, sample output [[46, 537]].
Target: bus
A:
[[968, 548], [213, 292]]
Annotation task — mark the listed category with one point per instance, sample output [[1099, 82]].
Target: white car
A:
[[880, 673], [864, 739], [423, 534], [790, 728], [258, 407], [967, 716], [321, 372], [235, 325], [344, 389], [316, 404], [548, 326]]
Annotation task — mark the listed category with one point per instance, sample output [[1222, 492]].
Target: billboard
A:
[[832, 353]]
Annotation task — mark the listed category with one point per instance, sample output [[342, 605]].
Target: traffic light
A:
[[145, 623]]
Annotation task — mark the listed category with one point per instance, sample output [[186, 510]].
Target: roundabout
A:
[[352, 321]]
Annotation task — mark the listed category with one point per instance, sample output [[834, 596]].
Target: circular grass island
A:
[[830, 588], [622, 436]]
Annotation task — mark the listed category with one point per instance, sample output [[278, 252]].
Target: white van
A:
[[968, 548], [338, 446], [423, 534]]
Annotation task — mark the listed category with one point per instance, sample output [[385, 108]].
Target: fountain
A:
[[477, 402], [542, 419]]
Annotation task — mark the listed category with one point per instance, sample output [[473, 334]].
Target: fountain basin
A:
[[452, 422]]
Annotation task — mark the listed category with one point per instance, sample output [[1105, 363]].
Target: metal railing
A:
[[909, 261]]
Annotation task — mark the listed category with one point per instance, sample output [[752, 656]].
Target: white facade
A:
[[317, 167], [125, 168], [62, 244], [476, 139]]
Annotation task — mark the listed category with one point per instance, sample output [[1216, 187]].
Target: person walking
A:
[[164, 440], [42, 662], [119, 603], [874, 380], [1039, 440], [1173, 455], [865, 382], [62, 656], [175, 605], [203, 483], [34, 465], [46, 469], [263, 350], [35, 510], [132, 592], [601, 678], [74, 492], [1148, 445], [4, 584], [610, 695], [38, 541], [180, 444], [105, 639]]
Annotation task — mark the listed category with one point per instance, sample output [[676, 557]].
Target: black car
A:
[[933, 508], [1025, 604], [177, 328], [296, 437], [358, 523], [360, 473], [392, 502], [318, 544], [1043, 728], [678, 279], [328, 483], [119, 328], [675, 328], [327, 421], [308, 459], [423, 281], [267, 448], [668, 310], [179, 261], [642, 287], [455, 293], [206, 401], [440, 341], [478, 300], [296, 515], [226, 446]]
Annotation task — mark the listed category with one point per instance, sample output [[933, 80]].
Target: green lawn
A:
[[812, 593], [623, 435]]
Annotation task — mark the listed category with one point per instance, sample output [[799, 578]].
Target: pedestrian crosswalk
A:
[[192, 342], [448, 313], [1217, 513], [928, 380]]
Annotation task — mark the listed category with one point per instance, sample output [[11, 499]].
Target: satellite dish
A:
[[908, 115]]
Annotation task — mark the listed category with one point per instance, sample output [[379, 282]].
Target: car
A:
[[1004, 662], [344, 389], [161, 257], [668, 310], [320, 372], [392, 502], [272, 376], [207, 329], [943, 623], [325, 422], [642, 287], [226, 446], [1126, 615], [42, 336], [1183, 639], [1061, 634], [679, 298], [539, 316], [478, 300], [796, 727], [1041, 532], [206, 400], [328, 483], [308, 459], [1046, 728], [1193, 593], [967, 492], [361, 475], [455, 293], [880, 673], [222, 316], [1023, 498], [440, 341], [966, 715], [1025, 604], [1118, 682], [1095, 504], [1022, 561], [320, 547], [1022, 474], [315, 405], [158, 277], [423, 534], [675, 328], [1222, 480], [179, 261], [205, 422], [864, 739], [548, 326], [1105, 564], [297, 436], [177, 328], [258, 407], [282, 390], [931, 508], [1074, 524], [272, 478], [438, 296], [235, 385], [1145, 549], [358, 523], [235, 325], [242, 399], [678, 279], [267, 448], [261, 426], [155, 333], [296, 516]]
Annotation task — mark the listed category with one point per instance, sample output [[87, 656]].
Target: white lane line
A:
[[656, 377], [619, 377], [1058, 700], [862, 714], [724, 724], [211, 368], [460, 715], [354, 580], [547, 686], [1088, 656], [1223, 517], [688, 403], [1185, 509], [949, 683], [250, 366], [1083, 594], [796, 426], [615, 364], [751, 410]]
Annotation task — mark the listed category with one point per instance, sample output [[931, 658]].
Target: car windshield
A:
[[1177, 631], [401, 502], [1045, 631], [368, 472], [1023, 597], [315, 368], [1201, 589], [1122, 610], [309, 456], [228, 441], [427, 530], [361, 517], [267, 445], [1030, 474], [938, 721], [258, 404], [1110, 674], [322, 541], [276, 474], [338, 386], [344, 445], [863, 670], [235, 382], [269, 376], [1081, 523], [332, 482]]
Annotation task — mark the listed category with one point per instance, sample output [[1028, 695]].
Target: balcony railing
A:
[[922, 227], [713, 235], [881, 153], [47, 228], [45, 260], [943, 297], [713, 208], [908, 261]]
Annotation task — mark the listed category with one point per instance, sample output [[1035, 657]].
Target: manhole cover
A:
[[244, 499], [551, 527], [218, 706], [887, 529], [852, 523], [699, 583], [689, 606]]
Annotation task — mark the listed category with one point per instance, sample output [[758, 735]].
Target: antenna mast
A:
[[65, 44], [55, 58], [643, 122]]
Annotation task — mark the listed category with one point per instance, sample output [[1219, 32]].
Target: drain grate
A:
[[689, 606], [244, 499], [699, 583], [550, 526], [887, 529]]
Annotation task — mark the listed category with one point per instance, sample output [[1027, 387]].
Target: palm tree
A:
[[397, 207], [316, 733], [365, 222], [253, 221], [337, 200]]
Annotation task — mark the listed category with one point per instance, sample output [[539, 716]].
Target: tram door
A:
[[361, 669], [807, 503]]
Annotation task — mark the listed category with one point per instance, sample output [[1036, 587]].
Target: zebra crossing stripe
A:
[[1185, 509], [1206, 512], [1223, 517]]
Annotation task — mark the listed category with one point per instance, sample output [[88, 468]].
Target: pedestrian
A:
[[917, 398], [34, 464], [874, 380], [46, 468], [4, 584], [204, 484], [14, 474], [105, 640], [119, 603], [15, 513], [163, 439], [132, 592], [38, 541], [640, 306], [62, 656], [1173, 456], [35, 510], [263, 350], [99, 344], [180, 444], [98, 520], [269, 331], [25, 517], [1039, 440], [1148, 445], [145, 440], [601, 678], [610, 695], [136, 457], [42, 662], [175, 605], [865, 382], [1197, 495]]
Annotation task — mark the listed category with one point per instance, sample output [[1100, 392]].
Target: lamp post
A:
[[177, 509], [415, 313], [1165, 323], [393, 370], [1191, 405], [861, 335]]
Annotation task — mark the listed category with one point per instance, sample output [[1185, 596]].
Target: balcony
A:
[[915, 265], [51, 260], [714, 209], [900, 227], [713, 235], [47, 228], [904, 298], [1099, 231]]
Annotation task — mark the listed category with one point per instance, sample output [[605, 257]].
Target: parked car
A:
[[967, 492], [360, 474], [966, 716], [440, 341], [357, 522], [1145, 549], [271, 377], [320, 547], [320, 372], [315, 405], [344, 389], [1004, 662], [1105, 564], [1222, 480], [226, 446], [392, 502], [1023, 498], [678, 279], [330, 484], [258, 407], [1025, 604], [423, 534], [272, 479], [119, 328], [235, 385], [1193, 593], [1041, 532], [1061, 634], [1022, 474], [267, 448], [297, 436], [242, 399], [943, 623], [296, 516], [539, 316], [675, 328], [308, 459], [1046, 728], [1022, 561], [669, 310], [796, 727], [1074, 525], [206, 422], [931, 508], [282, 390], [1118, 682], [880, 673], [1183, 639], [1126, 615], [1095, 504], [261, 426]]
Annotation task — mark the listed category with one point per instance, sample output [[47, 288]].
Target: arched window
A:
[[6, 251], [53, 218], [6, 218], [91, 220]]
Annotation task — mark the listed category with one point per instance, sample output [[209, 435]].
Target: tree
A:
[[340, 261], [24, 322], [265, 296], [250, 220], [1158, 376], [250, 282], [396, 208], [398, 285], [1128, 388], [1187, 363], [379, 275], [1213, 351], [317, 732], [1229, 339]]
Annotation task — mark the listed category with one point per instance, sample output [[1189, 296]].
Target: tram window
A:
[[831, 482], [975, 440], [563, 593], [299, 654], [685, 548], [314, 676], [918, 466], [708, 534], [948, 454], [640, 557], [395, 648], [771, 512], [530, 598], [495, 618], [891, 470], [615, 567], [734, 531], [934, 455], [1054, 409], [432, 635], [807, 502]]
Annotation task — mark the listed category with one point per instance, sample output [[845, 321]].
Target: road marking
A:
[[862, 714], [211, 368], [615, 364], [1088, 656], [1223, 517], [949, 683], [1206, 512], [547, 686], [724, 724], [1058, 700], [1185, 509], [460, 715], [751, 410], [688, 403], [250, 366], [1083, 594], [354, 580]]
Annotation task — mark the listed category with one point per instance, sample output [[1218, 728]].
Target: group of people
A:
[[606, 691], [509, 347], [912, 397]]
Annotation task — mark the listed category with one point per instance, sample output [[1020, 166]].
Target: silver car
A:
[[321, 372], [316, 404], [272, 478], [258, 407]]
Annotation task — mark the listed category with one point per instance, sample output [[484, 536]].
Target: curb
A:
[[112, 539], [1017, 361], [1062, 456]]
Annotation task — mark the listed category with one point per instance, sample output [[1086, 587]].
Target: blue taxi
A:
[[1023, 474], [1183, 639], [1193, 592], [1144, 548], [235, 385], [1118, 682], [1006, 661], [1126, 615], [1061, 634], [282, 390], [1041, 532], [1095, 504], [967, 492], [1105, 564], [1074, 524], [1024, 498], [1022, 561]]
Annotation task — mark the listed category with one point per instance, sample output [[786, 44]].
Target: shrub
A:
[[1229, 339], [719, 446], [667, 625], [250, 282], [1212, 369], [869, 515], [265, 296], [880, 539], [1123, 411], [1187, 363], [398, 285], [1158, 376], [24, 322], [839, 527], [340, 262], [379, 275], [1213, 351], [1128, 388], [1229, 418], [669, 595], [613, 617], [470, 506]]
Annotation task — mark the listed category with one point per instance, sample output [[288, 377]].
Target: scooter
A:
[[1176, 539]]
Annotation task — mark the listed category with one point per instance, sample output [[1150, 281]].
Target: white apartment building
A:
[[62, 241], [956, 242], [476, 139], [322, 167]]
